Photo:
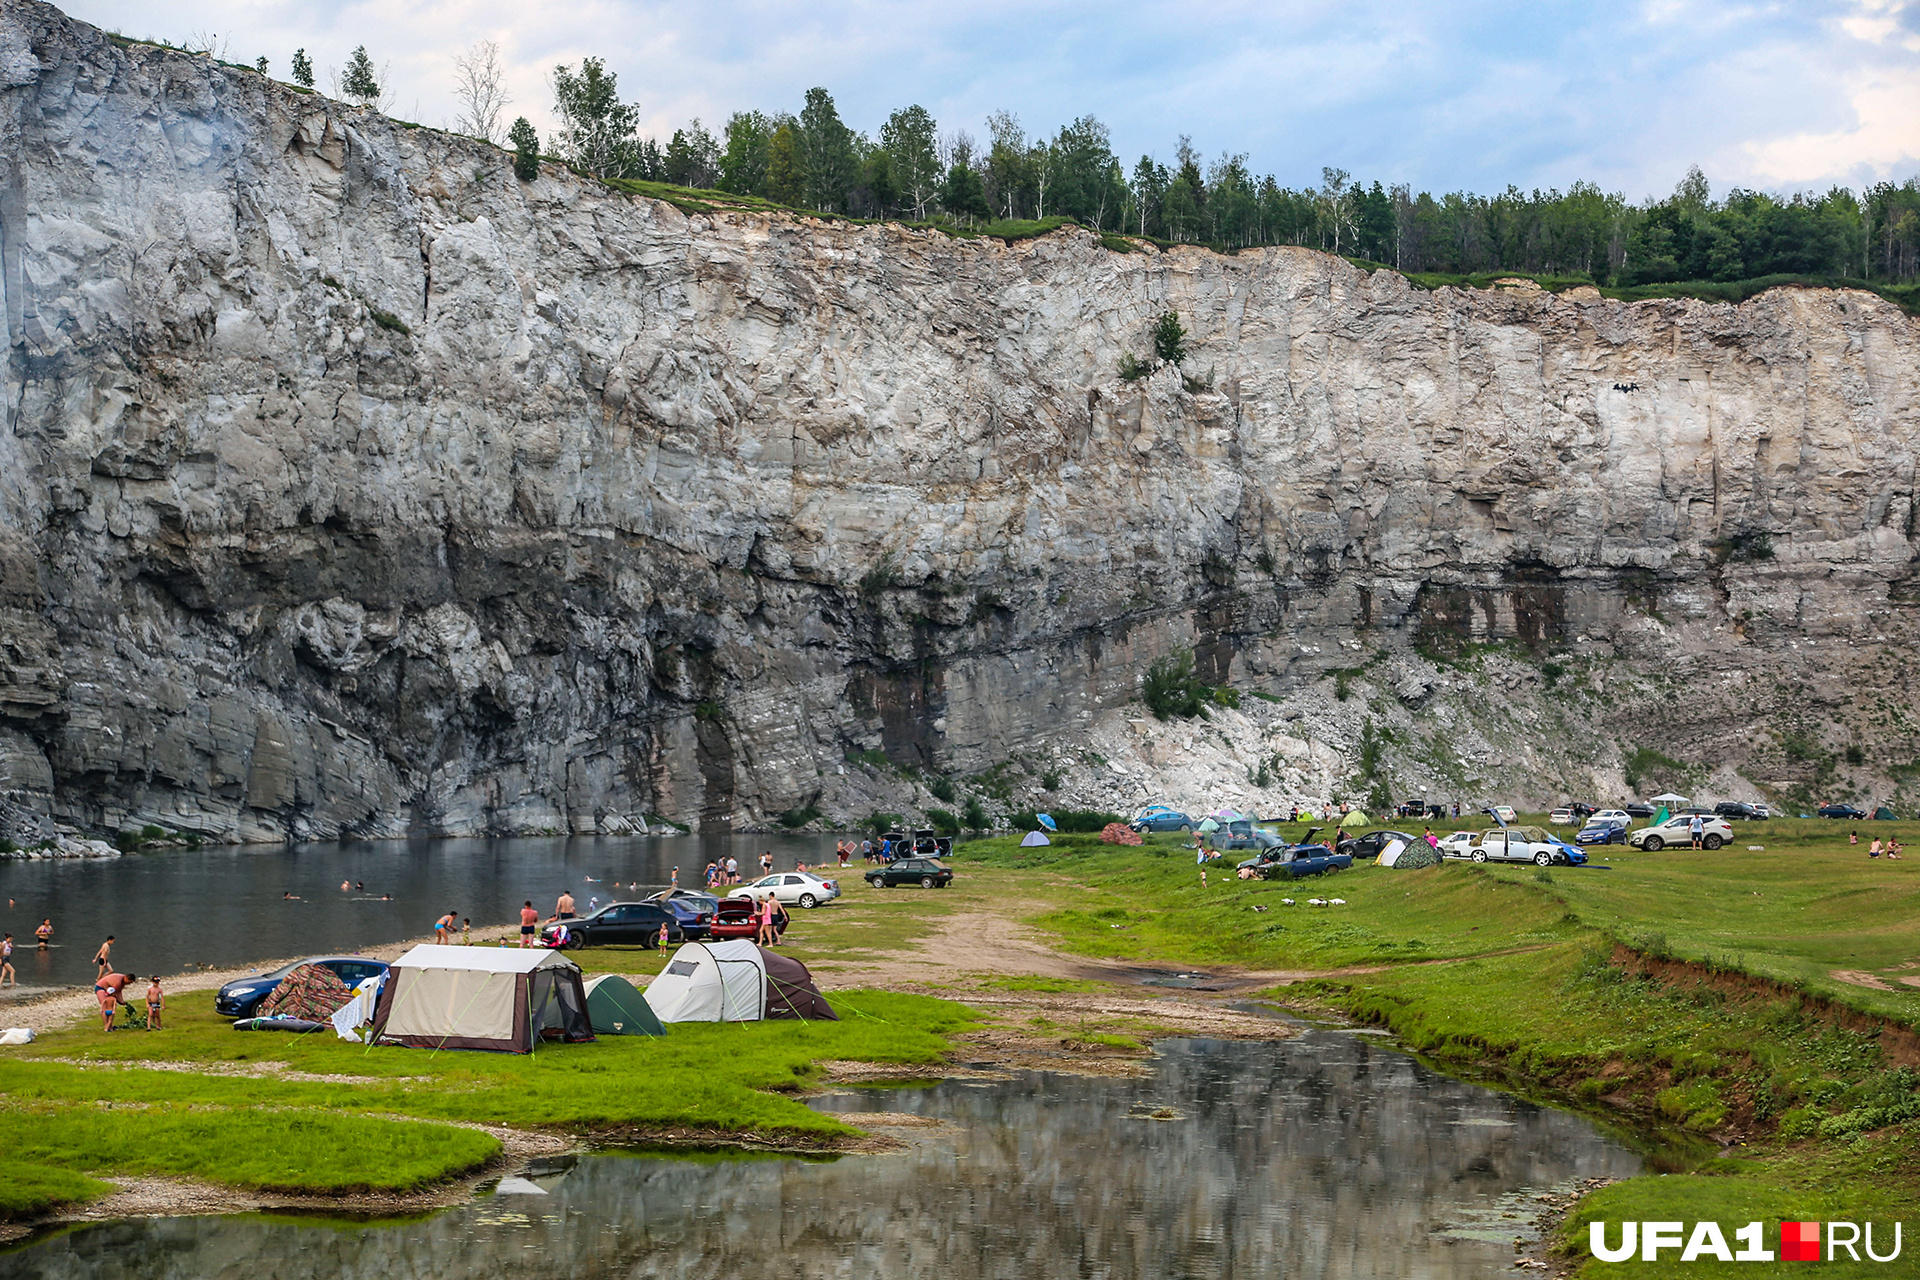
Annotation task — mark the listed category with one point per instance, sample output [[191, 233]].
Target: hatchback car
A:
[[1602, 831], [1161, 820], [616, 924], [1677, 831], [240, 998], [924, 872], [1561, 817], [797, 888]]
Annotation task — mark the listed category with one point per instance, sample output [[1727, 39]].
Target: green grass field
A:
[[1694, 999], [200, 1099]]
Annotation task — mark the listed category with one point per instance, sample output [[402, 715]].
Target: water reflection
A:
[[1327, 1156], [228, 906]]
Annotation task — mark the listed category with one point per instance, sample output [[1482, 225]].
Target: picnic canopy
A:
[[1670, 798], [505, 999], [617, 1008]]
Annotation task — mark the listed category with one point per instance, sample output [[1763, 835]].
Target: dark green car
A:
[[924, 872]]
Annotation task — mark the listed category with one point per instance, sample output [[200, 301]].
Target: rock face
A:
[[348, 485]]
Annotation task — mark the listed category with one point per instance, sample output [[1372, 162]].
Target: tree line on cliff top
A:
[[912, 170]]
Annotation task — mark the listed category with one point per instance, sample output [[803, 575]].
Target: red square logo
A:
[[1800, 1242]]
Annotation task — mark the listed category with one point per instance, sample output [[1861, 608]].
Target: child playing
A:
[[466, 931], [156, 1001]]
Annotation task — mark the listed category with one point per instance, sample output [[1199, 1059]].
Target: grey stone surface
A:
[[348, 485]]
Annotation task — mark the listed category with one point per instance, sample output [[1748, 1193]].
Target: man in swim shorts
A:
[[529, 924], [111, 990]]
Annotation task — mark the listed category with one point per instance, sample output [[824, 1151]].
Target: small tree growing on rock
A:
[[361, 82], [1169, 339], [302, 69], [526, 150]]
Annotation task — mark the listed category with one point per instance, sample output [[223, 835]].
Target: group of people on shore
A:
[[110, 989], [1891, 847]]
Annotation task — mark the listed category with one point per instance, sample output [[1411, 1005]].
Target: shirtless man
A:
[[111, 989], [102, 957], [563, 906]]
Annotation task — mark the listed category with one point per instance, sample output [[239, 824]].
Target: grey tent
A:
[[735, 981], [497, 998], [617, 1008], [1034, 838]]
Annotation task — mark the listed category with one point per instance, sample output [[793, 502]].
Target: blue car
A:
[[1159, 819], [692, 908], [1575, 858], [241, 998], [1602, 833]]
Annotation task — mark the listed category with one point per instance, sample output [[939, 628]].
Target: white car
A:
[[1504, 812], [1457, 845], [1561, 817], [794, 888], [1677, 832], [1620, 816], [1518, 844]]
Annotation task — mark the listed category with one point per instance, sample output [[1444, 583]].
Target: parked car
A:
[[616, 924], [1420, 809], [798, 888], [1242, 834], [1561, 818], [1602, 831], [693, 908], [1456, 844], [1678, 830], [1639, 810], [1841, 811], [1161, 820], [239, 999], [1504, 812], [1761, 810], [1523, 844], [930, 844], [1733, 810], [1582, 811], [925, 872], [735, 918], [1621, 816], [1367, 847], [1295, 861]]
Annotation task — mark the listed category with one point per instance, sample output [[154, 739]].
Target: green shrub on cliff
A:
[[526, 150], [1171, 688]]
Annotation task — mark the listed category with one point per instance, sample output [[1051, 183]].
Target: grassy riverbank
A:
[[1745, 1009], [317, 1114]]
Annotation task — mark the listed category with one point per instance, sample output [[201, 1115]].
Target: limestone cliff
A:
[[349, 485]]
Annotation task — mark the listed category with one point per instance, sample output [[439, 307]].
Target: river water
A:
[[1325, 1156], [226, 906]]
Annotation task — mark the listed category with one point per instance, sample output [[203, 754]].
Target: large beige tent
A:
[[481, 998]]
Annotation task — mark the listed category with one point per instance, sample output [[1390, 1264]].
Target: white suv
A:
[[1678, 832]]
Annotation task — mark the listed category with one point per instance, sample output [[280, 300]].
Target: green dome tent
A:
[[1355, 819], [618, 1009]]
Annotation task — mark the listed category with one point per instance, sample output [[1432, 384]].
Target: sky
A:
[[1461, 95]]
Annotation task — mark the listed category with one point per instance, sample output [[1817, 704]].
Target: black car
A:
[[617, 924], [1733, 811], [1841, 811], [1582, 811], [1367, 847], [239, 999], [1242, 834], [1638, 810], [924, 872], [1420, 809]]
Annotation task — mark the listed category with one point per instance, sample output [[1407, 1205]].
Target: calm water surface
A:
[[1325, 1156], [225, 906]]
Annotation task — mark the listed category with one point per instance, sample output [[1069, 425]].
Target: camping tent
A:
[[1208, 826], [1883, 814], [1033, 839], [617, 1008], [481, 998], [1355, 819], [734, 981]]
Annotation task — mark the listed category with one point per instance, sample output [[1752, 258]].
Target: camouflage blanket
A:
[[310, 992]]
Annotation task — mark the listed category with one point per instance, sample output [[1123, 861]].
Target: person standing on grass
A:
[[563, 906], [156, 1001], [102, 957], [1698, 828], [6, 962], [111, 989], [529, 924]]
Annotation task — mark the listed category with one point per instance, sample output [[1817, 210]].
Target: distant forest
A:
[[914, 171]]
